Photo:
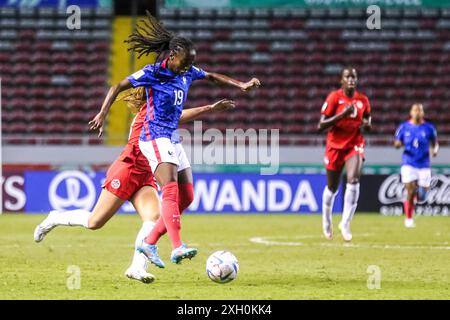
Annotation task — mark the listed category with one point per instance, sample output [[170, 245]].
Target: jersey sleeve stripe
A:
[[149, 116]]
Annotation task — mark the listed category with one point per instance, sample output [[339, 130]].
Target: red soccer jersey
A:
[[132, 148], [136, 125], [345, 133]]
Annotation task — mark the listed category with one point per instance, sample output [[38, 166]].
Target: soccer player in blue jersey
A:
[[166, 85], [419, 139]]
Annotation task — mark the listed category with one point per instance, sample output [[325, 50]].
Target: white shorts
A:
[[163, 150], [421, 175]]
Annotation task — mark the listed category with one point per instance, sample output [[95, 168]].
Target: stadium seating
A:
[[53, 79], [298, 54]]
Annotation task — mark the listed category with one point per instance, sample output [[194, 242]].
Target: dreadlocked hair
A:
[[135, 98], [151, 36]]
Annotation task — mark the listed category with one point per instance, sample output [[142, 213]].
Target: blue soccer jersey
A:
[[166, 94], [416, 139]]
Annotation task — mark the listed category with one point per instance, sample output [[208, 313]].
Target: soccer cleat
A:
[[327, 227], [139, 274], [409, 223], [44, 227], [182, 252], [151, 252], [345, 231]]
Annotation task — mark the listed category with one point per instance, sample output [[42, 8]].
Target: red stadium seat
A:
[[75, 128], [56, 128]]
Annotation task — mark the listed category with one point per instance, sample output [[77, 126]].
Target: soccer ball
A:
[[222, 267]]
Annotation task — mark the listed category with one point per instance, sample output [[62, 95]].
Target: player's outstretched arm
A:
[[194, 113], [223, 79], [398, 144], [99, 119], [434, 149], [327, 122]]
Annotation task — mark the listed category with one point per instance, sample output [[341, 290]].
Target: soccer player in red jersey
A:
[[345, 112], [128, 178], [166, 84]]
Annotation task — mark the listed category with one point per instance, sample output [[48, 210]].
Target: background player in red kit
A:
[[345, 112]]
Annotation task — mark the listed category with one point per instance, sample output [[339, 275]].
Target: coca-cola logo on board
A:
[[392, 190]]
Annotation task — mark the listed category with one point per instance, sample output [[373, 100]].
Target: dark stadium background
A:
[[54, 80]]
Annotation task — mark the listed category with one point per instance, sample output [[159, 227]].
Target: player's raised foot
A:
[[345, 231], [151, 252], [44, 227], [421, 195], [327, 228], [139, 274], [182, 252], [409, 223]]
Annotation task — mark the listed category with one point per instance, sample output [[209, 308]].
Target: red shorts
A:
[[335, 158], [129, 173]]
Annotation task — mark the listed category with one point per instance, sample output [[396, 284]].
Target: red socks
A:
[[185, 198], [170, 216], [409, 209]]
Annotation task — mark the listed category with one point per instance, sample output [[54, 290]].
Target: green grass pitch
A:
[[280, 257]]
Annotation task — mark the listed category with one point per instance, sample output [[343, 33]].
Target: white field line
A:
[[267, 241]]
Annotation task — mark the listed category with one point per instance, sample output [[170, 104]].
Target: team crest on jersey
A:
[[359, 104], [138, 74], [184, 80], [359, 149], [115, 184], [341, 101]]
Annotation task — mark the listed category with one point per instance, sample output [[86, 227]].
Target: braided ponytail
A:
[[151, 36]]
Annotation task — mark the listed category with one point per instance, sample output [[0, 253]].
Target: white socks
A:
[[139, 259], [327, 203], [350, 202], [77, 217]]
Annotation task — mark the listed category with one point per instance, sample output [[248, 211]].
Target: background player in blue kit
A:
[[419, 139]]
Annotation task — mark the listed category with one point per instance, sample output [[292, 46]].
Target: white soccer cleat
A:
[[345, 231], [44, 227], [139, 274], [327, 227], [409, 223]]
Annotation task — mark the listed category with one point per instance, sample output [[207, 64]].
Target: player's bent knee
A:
[[333, 189], [353, 180], [95, 224], [411, 193]]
